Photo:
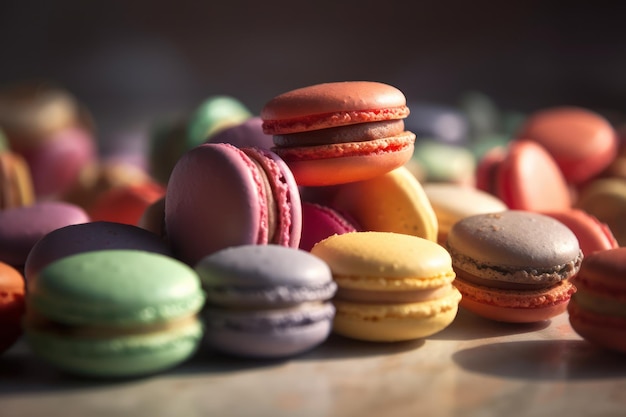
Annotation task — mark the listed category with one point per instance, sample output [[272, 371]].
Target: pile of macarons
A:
[[327, 213]]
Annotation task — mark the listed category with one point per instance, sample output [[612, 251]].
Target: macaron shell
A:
[[398, 322], [120, 356], [332, 104], [347, 162], [125, 204], [581, 141], [22, 227], [87, 237], [249, 133], [122, 287], [529, 179], [210, 184], [12, 305], [601, 330], [513, 315], [16, 184], [605, 199], [592, 235], [391, 202], [268, 334], [320, 222]]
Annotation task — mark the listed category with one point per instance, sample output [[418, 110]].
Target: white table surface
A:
[[474, 367]]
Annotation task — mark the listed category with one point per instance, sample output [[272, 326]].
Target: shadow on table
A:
[[469, 326], [543, 360]]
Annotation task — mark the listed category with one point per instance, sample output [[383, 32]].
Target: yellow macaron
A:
[[391, 286]]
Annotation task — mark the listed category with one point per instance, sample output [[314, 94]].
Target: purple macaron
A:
[[22, 227], [266, 301]]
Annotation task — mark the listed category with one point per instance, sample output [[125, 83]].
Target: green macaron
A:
[[114, 313]]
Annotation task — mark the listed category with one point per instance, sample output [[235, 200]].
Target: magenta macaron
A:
[[219, 196]]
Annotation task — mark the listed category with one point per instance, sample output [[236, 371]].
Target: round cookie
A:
[[12, 305], [514, 266], [391, 286], [266, 301], [114, 313], [340, 132]]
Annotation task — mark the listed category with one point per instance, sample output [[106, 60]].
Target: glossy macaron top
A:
[[248, 133], [22, 227], [604, 272], [581, 141], [514, 245], [404, 261], [332, 104], [120, 287], [264, 275], [87, 237]]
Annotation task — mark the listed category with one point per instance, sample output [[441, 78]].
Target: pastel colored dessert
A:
[[392, 202], [248, 133], [581, 141], [592, 235], [529, 179], [114, 313], [16, 184], [487, 169], [439, 122], [391, 286], [443, 162], [319, 222], [453, 202], [89, 237], [597, 312], [126, 204], [340, 132], [22, 227], [220, 196], [31, 110], [101, 176], [56, 163], [605, 199], [213, 115], [12, 305], [266, 301], [514, 266]]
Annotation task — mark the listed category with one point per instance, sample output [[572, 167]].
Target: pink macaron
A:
[[219, 196], [320, 222]]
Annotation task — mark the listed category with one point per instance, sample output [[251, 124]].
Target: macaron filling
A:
[[279, 295], [343, 134], [391, 297]]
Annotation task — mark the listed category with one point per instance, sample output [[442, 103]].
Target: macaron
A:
[[391, 286], [319, 222], [452, 202], [127, 203], [220, 196], [89, 237], [22, 227], [339, 132], [597, 312], [528, 178], [581, 141], [392, 202], [153, 217], [16, 183], [213, 115], [12, 305], [514, 266], [592, 234], [444, 162], [266, 301], [605, 199], [114, 313]]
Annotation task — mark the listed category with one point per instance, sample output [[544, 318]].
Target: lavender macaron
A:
[[266, 301]]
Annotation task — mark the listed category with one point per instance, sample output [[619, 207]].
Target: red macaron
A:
[[339, 132]]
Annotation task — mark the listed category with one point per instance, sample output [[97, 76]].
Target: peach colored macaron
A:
[[339, 132]]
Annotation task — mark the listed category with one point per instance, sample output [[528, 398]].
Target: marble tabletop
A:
[[473, 368]]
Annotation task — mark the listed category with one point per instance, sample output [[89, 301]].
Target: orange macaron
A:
[[339, 132], [12, 305]]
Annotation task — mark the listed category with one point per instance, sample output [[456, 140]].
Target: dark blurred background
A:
[[132, 62]]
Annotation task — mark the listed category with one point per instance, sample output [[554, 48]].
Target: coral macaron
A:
[[339, 132], [220, 196], [12, 305], [597, 312], [514, 266]]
